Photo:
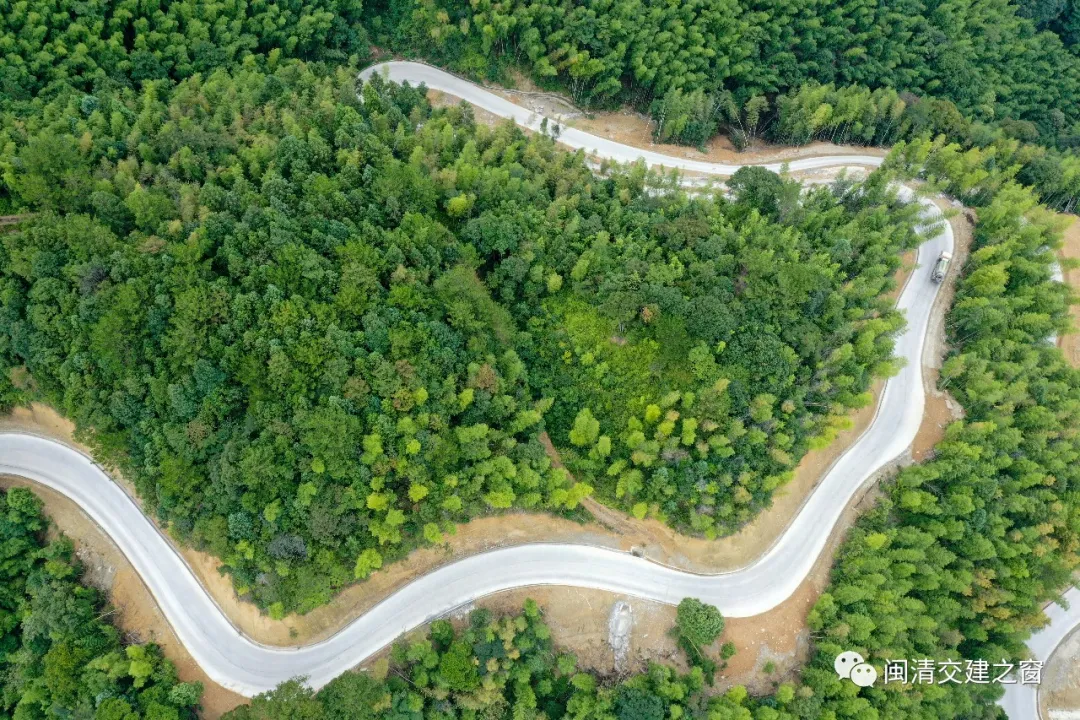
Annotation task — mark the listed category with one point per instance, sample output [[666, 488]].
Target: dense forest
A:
[[956, 562], [1060, 16], [101, 42], [855, 114], [59, 657], [865, 72], [316, 329], [870, 72], [959, 558], [692, 365], [982, 57], [274, 333]]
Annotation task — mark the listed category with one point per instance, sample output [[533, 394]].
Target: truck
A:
[[941, 267]]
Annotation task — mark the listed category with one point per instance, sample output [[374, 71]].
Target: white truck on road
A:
[[941, 267]]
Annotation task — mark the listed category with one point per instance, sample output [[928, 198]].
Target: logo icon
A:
[[851, 665], [863, 675], [845, 662]]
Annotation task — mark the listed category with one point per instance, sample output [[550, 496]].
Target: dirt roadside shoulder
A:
[[633, 129]]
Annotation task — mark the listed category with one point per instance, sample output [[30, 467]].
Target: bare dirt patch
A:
[[779, 636], [580, 622], [1059, 695], [633, 128], [41, 420]]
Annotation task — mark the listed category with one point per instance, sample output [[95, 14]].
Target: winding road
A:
[[247, 667]]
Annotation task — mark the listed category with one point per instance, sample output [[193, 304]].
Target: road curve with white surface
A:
[[248, 667], [436, 79], [1021, 702]]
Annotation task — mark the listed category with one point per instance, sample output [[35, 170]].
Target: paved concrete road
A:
[[436, 79], [1021, 702], [247, 667]]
